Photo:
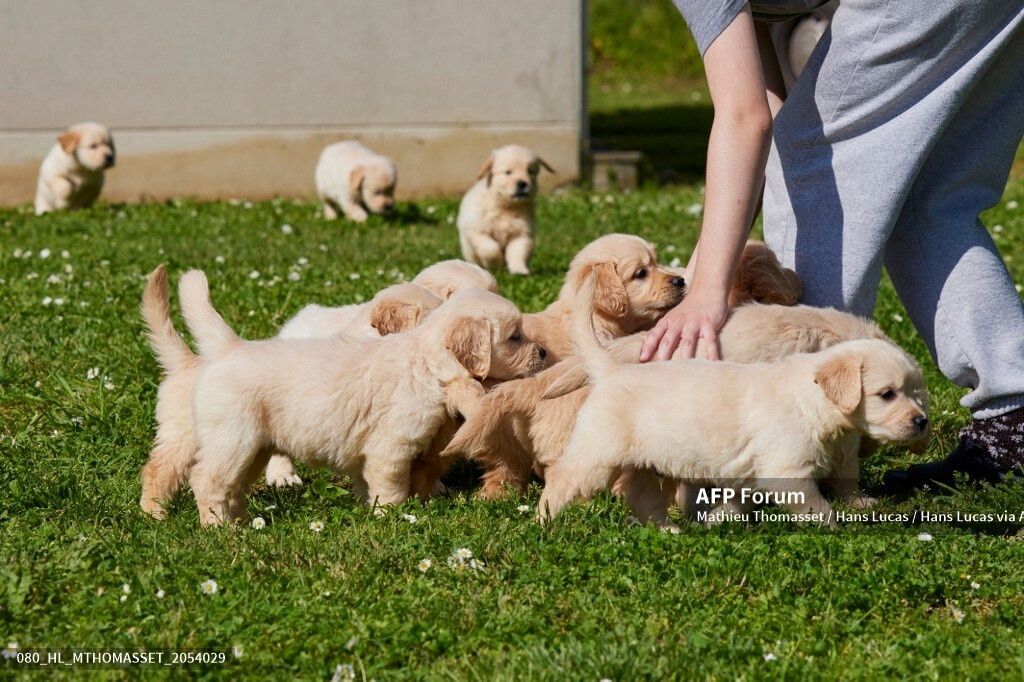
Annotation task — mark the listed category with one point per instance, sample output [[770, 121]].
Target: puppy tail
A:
[[211, 332], [597, 360], [170, 349]]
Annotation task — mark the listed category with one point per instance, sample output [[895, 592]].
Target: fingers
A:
[[710, 336], [652, 342], [686, 340]]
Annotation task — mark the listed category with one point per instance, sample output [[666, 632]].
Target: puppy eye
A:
[[887, 395], [640, 274], [516, 338], [508, 172]]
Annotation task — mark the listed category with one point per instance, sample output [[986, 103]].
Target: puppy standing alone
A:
[[355, 180], [496, 216], [71, 176]]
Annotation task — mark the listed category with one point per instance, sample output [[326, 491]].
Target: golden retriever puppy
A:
[[174, 447], [448, 276], [633, 292], [354, 180], [496, 216], [434, 284], [760, 277], [764, 426], [71, 176], [522, 426], [365, 407]]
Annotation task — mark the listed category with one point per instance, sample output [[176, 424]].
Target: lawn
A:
[[594, 596]]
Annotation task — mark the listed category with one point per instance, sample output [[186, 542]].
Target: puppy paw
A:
[[358, 215], [518, 270], [283, 480]]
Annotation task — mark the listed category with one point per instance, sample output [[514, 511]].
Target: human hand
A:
[[699, 316]]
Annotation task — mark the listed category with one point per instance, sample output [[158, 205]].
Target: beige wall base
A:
[[258, 164]]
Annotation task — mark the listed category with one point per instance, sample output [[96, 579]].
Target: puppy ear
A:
[[544, 163], [839, 378], [469, 340], [392, 317], [68, 141], [355, 178], [485, 170], [610, 296], [760, 277], [573, 379]]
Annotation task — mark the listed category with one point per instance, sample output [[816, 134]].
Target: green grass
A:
[[591, 597]]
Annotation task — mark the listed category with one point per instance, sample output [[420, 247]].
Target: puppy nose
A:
[[522, 185], [921, 422], [542, 352], [678, 282]]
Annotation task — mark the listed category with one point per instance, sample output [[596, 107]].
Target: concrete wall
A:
[[215, 98]]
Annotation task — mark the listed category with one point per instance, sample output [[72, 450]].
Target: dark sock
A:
[[1001, 438]]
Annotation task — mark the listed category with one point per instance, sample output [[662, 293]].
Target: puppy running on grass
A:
[[71, 176], [767, 426], [496, 216]]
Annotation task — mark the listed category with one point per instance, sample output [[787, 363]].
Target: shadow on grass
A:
[[672, 137]]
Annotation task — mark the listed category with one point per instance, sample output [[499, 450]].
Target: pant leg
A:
[[879, 90], [899, 132], [942, 260]]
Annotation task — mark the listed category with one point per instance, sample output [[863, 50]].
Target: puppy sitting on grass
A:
[[496, 216], [355, 180], [71, 176], [365, 407], [768, 426]]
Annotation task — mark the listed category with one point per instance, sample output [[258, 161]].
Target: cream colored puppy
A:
[[769, 426], [71, 176], [354, 180], [496, 216], [427, 290], [365, 407], [174, 448]]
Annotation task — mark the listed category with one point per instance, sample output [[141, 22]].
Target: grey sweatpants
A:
[[899, 132]]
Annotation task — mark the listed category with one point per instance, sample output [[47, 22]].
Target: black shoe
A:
[[968, 457]]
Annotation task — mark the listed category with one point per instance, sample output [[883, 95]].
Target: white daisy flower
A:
[[997, 228], [32, 275], [451, 220], [316, 526], [53, 279], [1012, 205], [126, 588], [957, 614], [47, 300], [424, 565], [431, 210], [354, 276], [124, 598], [58, 301], [219, 260], [770, 656], [322, 247], [344, 672], [695, 209], [411, 518], [44, 253], [209, 587], [69, 268], [286, 229], [463, 554], [897, 317], [675, 262], [477, 565], [975, 585], [524, 508], [247, 204], [92, 373], [925, 537], [1018, 287], [255, 274], [259, 523], [109, 385], [238, 651], [303, 261], [105, 262], [17, 253], [65, 254], [77, 421], [670, 248], [160, 594], [294, 276]]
